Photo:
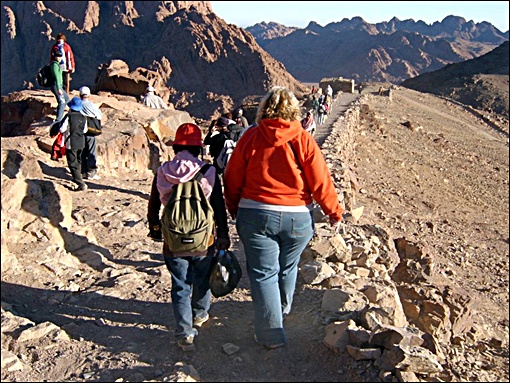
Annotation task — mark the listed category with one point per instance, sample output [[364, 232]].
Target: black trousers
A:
[[74, 163]]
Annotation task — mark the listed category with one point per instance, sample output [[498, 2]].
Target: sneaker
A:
[[81, 187], [198, 322], [95, 177], [269, 346], [186, 343]]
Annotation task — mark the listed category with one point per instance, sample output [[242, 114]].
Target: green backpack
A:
[[187, 222]]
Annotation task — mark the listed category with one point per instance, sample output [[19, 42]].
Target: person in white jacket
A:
[[89, 154], [152, 100]]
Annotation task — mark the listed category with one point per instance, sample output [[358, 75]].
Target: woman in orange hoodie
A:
[[275, 173]]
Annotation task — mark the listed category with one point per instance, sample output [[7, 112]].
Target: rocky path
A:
[[119, 316], [340, 105], [112, 298]]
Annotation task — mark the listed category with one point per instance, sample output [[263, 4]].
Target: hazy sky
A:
[[300, 13]]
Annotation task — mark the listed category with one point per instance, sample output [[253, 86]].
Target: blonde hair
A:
[[279, 102]]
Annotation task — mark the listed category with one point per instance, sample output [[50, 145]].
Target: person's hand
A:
[[155, 233], [222, 243], [335, 224]]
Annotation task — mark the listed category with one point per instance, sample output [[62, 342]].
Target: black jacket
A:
[[76, 125], [216, 142]]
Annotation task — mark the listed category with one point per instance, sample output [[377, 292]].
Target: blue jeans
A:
[[191, 295], [273, 242], [62, 101]]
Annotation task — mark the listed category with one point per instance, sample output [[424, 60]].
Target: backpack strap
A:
[[295, 156], [202, 172]]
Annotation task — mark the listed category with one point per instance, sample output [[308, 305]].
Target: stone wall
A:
[[374, 306], [339, 84], [338, 149]]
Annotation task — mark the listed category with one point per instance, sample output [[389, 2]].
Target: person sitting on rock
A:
[[240, 119], [152, 100]]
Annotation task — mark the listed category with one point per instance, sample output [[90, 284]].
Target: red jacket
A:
[[69, 57], [264, 168], [58, 149]]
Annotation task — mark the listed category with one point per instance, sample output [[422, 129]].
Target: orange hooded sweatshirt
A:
[[264, 168]]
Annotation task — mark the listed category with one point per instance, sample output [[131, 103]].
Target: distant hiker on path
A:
[[89, 157], [315, 107], [58, 86], [322, 114], [66, 61], [152, 100], [74, 128], [216, 137], [308, 123], [275, 173], [329, 92], [191, 295]]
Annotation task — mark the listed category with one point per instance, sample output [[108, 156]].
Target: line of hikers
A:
[[275, 174], [322, 103], [224, 132], [77, 141]]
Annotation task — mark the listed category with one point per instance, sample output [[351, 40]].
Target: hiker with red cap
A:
[[191, 296]]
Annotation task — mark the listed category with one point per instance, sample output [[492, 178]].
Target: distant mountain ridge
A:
[[391, 51], [450, 28]]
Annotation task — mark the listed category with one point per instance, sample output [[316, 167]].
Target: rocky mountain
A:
[[391, 51], [271, 30], [206, 63], [204, 66], [481, 82]]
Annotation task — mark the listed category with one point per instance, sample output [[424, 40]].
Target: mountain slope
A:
[[203, 59], [481, 82]]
